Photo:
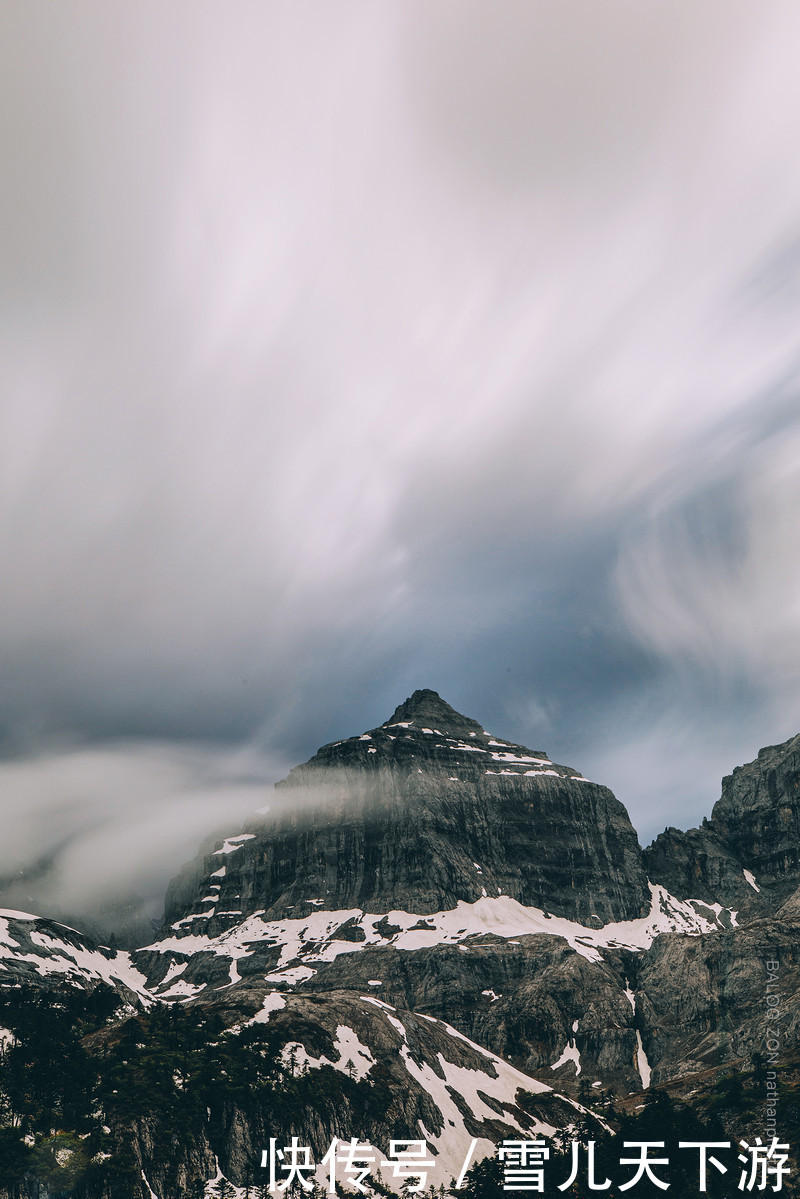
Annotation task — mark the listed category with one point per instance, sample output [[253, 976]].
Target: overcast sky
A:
[[354, 348]]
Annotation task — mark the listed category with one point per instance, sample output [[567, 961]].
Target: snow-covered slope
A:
[[457, 1095], [38, 951]]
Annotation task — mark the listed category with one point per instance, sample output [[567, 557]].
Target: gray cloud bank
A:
[[349, 350]]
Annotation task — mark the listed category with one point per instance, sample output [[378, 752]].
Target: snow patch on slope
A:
[[274, 1002], [474, 1088], [312, 939], [354, 1058], [51, 955], [571, 1054], [233, 843], [642, 1064]]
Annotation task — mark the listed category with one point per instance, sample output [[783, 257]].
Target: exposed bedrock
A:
[[747, 856], [427, 810]]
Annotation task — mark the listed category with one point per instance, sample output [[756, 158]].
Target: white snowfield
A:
[[571, 1054], [642, 1064], [353, 1058], [233, 843], [274, 1002]]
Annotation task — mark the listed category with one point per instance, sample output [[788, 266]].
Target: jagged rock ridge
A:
[[747, 856]]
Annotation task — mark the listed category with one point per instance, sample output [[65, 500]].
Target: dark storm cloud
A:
[[352, 350]]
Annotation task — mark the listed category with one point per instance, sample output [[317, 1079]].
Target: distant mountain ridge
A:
[[457, 873]]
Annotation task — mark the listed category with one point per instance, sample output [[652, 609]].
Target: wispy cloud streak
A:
[[351, 352]]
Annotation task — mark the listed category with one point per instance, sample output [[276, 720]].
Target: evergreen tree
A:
[[223, 1189], [484, 1180]]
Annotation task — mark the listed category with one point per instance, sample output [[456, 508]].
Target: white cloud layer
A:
[[89, 824]]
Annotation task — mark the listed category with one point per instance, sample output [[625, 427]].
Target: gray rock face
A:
[[700, 864], [533, 1000], [703, 1002], [754, 830], [759, 816], [418, 814]]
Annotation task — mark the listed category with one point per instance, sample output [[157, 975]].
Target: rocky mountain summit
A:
[[421, 813], [458, 924]]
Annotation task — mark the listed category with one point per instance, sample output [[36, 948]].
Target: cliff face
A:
[[758, 814], [747, 856], [423, 812]]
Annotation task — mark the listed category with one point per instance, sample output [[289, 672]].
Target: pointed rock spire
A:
[[426, 708]]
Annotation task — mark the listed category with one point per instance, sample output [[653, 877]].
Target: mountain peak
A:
[[427, 708], [421, 814]]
